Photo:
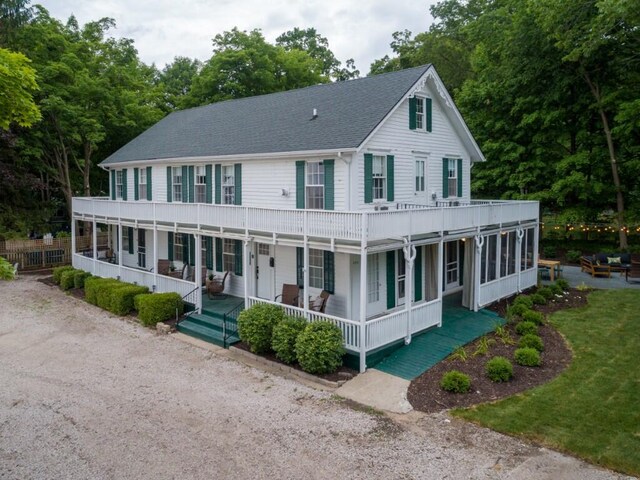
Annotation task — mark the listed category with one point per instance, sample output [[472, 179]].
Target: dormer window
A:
[[420, 114]]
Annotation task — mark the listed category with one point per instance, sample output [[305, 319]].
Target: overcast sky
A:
[[163, 29]]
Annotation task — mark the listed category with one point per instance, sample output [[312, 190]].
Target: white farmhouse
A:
[[359, 189]]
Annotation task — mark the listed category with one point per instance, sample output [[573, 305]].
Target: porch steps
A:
[[208, 327]]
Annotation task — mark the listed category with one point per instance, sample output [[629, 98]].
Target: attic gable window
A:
[[420, 114]]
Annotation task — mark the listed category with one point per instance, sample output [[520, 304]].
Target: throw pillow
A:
[[613, 259]]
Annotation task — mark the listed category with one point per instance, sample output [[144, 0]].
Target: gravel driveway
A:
[[86, 395]]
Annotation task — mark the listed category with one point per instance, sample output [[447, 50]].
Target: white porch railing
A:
[[528, 278], [316, 223], [426, 315], [505, 286]]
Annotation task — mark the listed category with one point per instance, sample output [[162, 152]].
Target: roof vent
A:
[[315, 114]]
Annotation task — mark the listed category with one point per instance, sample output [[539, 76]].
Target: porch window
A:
[[489, 258], [527, 248], [177, 183], [316, 268], [315, 186], [379, 177], [373, 278], [200, 184], [452, 177], [142, 183], [420, 164], [507, 253], [126, 239], [228, 185], [119, 184], [179, 241], [229, 255]]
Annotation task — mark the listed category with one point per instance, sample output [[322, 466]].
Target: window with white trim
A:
[[126, 246], [228, 185], [315, 186], [379, 177], [118, 183], [142, 184], [176, 175], [527, 248], [229, 255], [489, 259], [452, 177], [179, 240], [420, 165], [420, 121], [200, 184], [316, 268], [507, 253]]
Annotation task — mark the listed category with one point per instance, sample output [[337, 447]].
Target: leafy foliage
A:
[[285, 335], [528, 357], [67, 279], [526, 327], [18, 83], [531, 341], [6, 270], [121, 300], [58, 271], [157, 307], [499, 369], [460, 353], [320, 347], [456, 382], [533, 317], [79, 278], [256, 324], [483, 346]]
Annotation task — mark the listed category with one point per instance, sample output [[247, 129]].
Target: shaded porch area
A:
[[459, 326]]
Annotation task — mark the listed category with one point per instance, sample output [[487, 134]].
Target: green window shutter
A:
[[459, 177], [170, 246], [391, 279], [113, 184], [130, 240], [390, 178], [192, 186], [412, 113], [185, 183], [208, 245], [124, 184], [192, 250], [428, 112], [238, 259], [300, 266], [329, 192], [417, 272], [136, 181], [218, 184], [445, 178], [149, 184], [219, 264], [300, 165], [238, 184], [368, 177], [169, 184], [209, 187], [329, 271]]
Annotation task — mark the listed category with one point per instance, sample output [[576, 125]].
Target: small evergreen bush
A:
[[79, 278], [535, 317], [121, 298], [556, 289], [546, 292], [58, 271], [515, 311], [573, 256], [284, 337], [531, 340], [255, 326], [563, 284], [499, 369], [456, 382], [320, 348], [525, 327], [527, 357], [67, 279], [157, 307], [538, 299], [525, 300]]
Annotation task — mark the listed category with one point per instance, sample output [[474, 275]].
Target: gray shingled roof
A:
[[278, 122]]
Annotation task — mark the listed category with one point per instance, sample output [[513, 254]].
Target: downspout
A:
[[409, 256]]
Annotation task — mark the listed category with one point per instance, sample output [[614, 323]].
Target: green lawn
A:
[[592, 410]]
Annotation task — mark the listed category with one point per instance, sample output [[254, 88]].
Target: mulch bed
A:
[[343, 373], [426, 395]]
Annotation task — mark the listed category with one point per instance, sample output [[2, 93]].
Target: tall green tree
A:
[[17, 84], [176, 79]]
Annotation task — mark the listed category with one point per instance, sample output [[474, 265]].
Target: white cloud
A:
[[164, 29]]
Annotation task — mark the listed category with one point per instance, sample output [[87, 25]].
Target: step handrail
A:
[[188, 314], [226, 319]]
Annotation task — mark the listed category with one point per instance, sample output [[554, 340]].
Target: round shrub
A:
[[563, 284], [456, 382], [319, 348], [499, 369], [255, 326], [67, 279], [157, 307], [546, 292], [538, 299], [517, 310], [556, 289], [535, 317], [527, 357], [525, 300], [79, 277], [531, 340], [523, 328], [285, 334]]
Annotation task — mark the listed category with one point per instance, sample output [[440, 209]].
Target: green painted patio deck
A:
[[459, 327], [209, 325]]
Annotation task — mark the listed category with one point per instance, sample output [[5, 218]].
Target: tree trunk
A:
[[612, 158]]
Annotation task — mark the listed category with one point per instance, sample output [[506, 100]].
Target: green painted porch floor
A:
[[218, 306], [459, 326]]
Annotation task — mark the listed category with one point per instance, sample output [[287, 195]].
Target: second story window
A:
[[119, 188], [420, 165], [177, 184], [200, 184], [228, 185], [379, 177], [142, 184], [420, 113], [315, 186], [452, 177]]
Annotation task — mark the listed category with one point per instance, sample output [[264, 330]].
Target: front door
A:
[[451, 265], [264, 270], [375, 300], [142, 248]]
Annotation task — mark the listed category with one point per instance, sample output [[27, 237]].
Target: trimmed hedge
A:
[[527, 357], [456, 382], [285, 334], [121, 299], [79, 278], [531, 341], [67, 279], [157, 307], [320, 348], [94, 285], [499, 369], [58, 271], [255, 326]]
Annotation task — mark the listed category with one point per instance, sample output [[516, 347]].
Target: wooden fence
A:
[[45, 253]]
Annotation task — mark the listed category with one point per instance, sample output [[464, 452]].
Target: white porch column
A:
[[305, 263], [409, 257], [440, 272], [198, 273], [245, 270], [155, 257], [479, 242], [94, 243], [519, 235], [536, 242], [363, 295], [120, 248]]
